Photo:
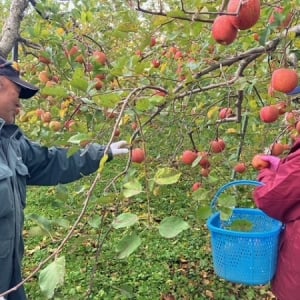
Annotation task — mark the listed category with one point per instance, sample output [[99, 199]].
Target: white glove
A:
[[118, 148]]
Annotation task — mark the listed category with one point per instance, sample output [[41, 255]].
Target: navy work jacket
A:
[[22, 163]]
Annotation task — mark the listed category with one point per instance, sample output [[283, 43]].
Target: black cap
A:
[[6, 69]]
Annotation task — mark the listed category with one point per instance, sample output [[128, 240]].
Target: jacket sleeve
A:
[[50, 166], [279, 197]]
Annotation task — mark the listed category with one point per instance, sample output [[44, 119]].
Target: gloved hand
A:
[[273, 160], [119, 148]]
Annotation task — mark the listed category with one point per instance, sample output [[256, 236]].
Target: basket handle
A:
[[230, 184]]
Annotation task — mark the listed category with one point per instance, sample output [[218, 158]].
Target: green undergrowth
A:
[[159, 269]]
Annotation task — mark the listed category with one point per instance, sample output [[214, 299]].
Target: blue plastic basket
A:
[[248, 258]]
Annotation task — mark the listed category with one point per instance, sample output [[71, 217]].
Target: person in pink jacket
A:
[[279, 197]]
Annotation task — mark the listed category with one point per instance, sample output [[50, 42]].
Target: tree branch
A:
[[10, 30]]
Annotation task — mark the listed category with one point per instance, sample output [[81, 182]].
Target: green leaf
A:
[[62, 222], [160, 20], [55, 91], [78, 138], [43, 222], [227, 201], [172, 226], [52, 276], [157, 100], [201, 195], [128, 245], [241, 225], [95, 222], [225, 213], [176, 14], [167, 176], [132, 188], [62, 192], [143, 105], [203, 212], [109, 100], [125, 220], [78, 81], [128, 27], [72, 150]]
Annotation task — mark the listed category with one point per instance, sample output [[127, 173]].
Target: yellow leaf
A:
[[62, 113], [231, 130], [125, 120], [163, 67], [213, 112], [60, 31], [102, 163]]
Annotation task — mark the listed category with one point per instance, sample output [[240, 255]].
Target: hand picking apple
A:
[[118, 148], [272, 160]]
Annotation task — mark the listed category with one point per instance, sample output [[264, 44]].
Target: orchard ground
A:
[[177, 268]]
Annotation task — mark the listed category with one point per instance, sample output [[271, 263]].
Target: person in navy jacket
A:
[[22, 163]]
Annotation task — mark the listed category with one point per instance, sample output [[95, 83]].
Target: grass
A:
[[178, 268], [181, 267]]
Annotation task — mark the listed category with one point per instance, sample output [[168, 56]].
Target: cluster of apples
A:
[[75, 54], [201, 158], [283, 80], [240, 15], [286, 81]]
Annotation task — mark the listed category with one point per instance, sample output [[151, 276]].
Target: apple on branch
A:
[[223, 31], [269, 114], [248, 13]]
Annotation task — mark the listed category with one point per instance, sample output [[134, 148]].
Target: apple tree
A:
[[209, 80]]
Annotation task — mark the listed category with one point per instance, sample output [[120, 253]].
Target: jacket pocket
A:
[[5, 248], [22, 173], [6, 199]]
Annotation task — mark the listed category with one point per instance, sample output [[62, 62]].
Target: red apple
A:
[[225, 112], [281, 106], [204, 161], [39, 112], [100, 57], [178, 55], [98, 84], [248, 13], [155, 63], [188, 157], [223, 31], [258, 163], [196, 186], [134, 125], [137, 155], [152, 41], [69, 125], [55, 125], [46, 117], [205, 172], [284, 80], [73, 50], [240, 167], [269, 114], [277, 149], [217, 145], [117, 132]]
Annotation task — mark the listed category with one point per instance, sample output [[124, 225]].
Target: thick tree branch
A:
[[10, 31]]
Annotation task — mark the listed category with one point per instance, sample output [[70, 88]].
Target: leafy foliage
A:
[[162, 85]]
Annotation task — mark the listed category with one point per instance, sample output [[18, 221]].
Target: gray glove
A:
[[119, 148]]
